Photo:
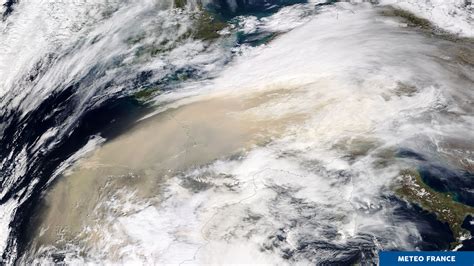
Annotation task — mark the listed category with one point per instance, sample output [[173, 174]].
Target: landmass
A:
[[442, 204]]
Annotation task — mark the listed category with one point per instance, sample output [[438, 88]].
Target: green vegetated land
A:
[[414, 21], [206, 28], [411, 19], [442, 204], [145, 94], [412, 187], [207, 25]]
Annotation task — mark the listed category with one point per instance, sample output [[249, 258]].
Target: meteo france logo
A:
[[426, 258]]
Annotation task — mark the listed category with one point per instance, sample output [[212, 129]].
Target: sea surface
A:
[[194, 132]]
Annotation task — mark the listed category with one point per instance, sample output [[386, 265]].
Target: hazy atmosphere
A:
[[225, 131]]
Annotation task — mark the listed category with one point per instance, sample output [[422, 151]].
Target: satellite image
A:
[[197, 132]]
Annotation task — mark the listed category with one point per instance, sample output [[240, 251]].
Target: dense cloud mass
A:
[[282, 132]]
